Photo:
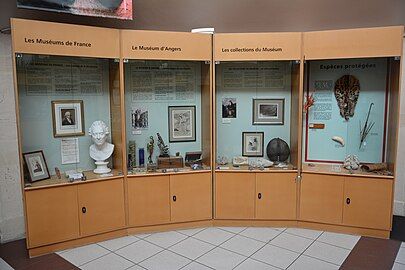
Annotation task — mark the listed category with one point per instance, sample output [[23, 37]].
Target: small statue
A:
[[150, 146], [101, 150], [164, 149]]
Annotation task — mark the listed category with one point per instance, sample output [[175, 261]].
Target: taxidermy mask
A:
[[347, 89]]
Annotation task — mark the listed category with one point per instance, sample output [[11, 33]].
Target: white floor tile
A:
[[4, 265], [139, 251], [401, 256], [398, 266], [118, 243], [242, 245], [311, 234], [291, 242], [191, 248], [196, 266], [166, 239], [250, 264], [213, 235], [260, 234], [403, 244], [279, 228], [341, 240], [108, 262], [232, 229], [325, 252], [136, 267], [221, 259], [191, 232], [307, 263], [142, 235], [165, 260], [81, 255], [276, 256]]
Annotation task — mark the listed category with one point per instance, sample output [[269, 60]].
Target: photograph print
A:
[[68, 118], [229, 107], [252, 144], [36, 165], [140, 118], [268, 111], [182, 126]]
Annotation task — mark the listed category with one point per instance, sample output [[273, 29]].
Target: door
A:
[[101, 206], [276, 196], [235, 195], [148, 200], [191, 197], [368, 202], [52, 215], [321, 198]]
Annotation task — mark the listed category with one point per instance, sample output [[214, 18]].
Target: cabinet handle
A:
[[84, 210], [174, 198], [348, 201], [259, 196]]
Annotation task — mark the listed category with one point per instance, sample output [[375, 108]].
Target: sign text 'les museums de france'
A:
[[70, 43]]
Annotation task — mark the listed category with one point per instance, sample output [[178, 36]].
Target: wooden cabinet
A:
[[368, 202], [276, 196], [235, 195], [191, 197], [321, 198], [101, 206], [148, 200], [52, 215]]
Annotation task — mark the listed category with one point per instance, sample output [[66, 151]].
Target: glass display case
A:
[[69, 118], [257, 115], [347, 114], [167, 106]]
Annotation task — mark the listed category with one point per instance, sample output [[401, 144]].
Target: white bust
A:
[[101, 149]]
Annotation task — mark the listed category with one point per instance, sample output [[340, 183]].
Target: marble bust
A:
[[101, 150]]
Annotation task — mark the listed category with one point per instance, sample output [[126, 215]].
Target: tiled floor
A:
[[400, 260], [220, 248]]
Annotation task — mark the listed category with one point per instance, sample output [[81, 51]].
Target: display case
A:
[[257, 99]]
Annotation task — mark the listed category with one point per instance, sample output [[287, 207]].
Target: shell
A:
[[351, 162], [339, 140]]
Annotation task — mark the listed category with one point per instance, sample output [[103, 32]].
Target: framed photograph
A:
[[229, 107], [182, 126], [268, 111], [68, 118], [139, 118], [252, 144], [36, 165]]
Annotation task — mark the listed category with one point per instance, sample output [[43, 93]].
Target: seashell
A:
[[339, 140], [351, 162]]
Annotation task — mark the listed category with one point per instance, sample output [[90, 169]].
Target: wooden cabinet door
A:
[[276, 196], [52, 215], [148, 200], [368, 202], [191, 197], [321, 198], [101, 206], [235, 195]]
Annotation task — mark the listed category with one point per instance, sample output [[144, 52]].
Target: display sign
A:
[[119, 9]]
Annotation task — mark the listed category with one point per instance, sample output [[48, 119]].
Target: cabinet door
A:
[[276, 196], [191, 197], [52, 215], [148, 200], [235, 195], [368, 202], [101, 206], [322, 198]]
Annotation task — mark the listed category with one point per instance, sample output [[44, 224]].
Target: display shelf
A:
[[231, 168], [54, 181], [184, 170], [337, 169]]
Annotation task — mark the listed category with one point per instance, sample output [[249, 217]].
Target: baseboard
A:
[[399, 208]]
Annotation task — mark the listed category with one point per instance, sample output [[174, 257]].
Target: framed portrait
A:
[[182, 126], [68, 118], [252, 144], [36, 165], [229, 107], [268, 111]]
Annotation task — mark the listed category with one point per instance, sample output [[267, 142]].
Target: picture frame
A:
[[182, 123], [68, 118], [253, 144], [268, 111], [36, 165]]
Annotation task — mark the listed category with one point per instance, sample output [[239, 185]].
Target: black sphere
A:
[[278, 150]]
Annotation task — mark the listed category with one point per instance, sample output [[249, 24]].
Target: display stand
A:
[[257, 96], [66, 78], [354, 117]]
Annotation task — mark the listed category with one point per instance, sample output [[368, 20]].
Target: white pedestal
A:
[[101, 167]]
